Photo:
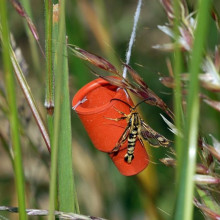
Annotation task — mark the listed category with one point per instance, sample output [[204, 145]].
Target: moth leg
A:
[[122, 113], [122, 139], [141, 140], [116, 119]]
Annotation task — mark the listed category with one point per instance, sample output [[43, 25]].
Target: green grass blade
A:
[[32, 41], [48, 48], [13, 117], [58, 68], [30, 98], [66, 188], [178, 112], [184, 207], [49, 102], [62, 130], [207, 200]]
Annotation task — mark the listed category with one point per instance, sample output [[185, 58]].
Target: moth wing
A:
[[154, 138], [122, 139]]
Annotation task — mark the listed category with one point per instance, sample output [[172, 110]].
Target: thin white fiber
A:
[[133, 35]]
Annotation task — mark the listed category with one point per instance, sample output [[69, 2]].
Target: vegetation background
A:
[[103, 28]]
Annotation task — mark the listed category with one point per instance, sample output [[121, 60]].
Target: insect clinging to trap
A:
[[136, 129]]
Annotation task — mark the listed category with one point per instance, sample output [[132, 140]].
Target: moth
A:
[[136, 129]]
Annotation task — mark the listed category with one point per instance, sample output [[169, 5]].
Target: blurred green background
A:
[[103, 28]]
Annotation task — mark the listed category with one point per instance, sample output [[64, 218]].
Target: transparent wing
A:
[[154, 138]]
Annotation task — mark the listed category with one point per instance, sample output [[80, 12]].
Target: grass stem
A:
[[13, 115], [184, 208]]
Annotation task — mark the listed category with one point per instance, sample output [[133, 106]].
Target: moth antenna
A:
[[141, 102], [122, 101]]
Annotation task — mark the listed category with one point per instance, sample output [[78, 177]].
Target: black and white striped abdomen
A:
[[132, 137]]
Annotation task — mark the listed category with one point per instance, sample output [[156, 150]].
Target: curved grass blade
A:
[[13, 116], [30, 99]]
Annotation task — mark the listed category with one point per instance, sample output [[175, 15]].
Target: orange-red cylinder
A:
[[94, 104]]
